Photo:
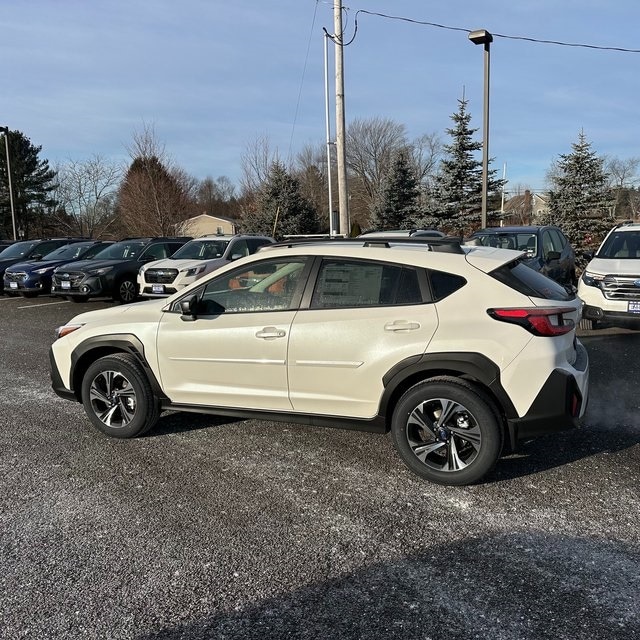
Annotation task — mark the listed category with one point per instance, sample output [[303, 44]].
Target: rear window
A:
[[526, 280]]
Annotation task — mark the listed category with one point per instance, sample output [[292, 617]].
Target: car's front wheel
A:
[[447, 431], [127, 291], [118, 398]]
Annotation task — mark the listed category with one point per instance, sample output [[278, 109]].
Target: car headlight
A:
[[66, 329], [42, 271], [592, 279], [99, 272], [193, 271]]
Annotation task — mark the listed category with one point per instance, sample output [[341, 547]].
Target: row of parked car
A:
[[80, 268]]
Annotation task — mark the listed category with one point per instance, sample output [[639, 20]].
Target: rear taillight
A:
[[541, 322]]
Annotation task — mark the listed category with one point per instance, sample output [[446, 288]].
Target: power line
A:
[[495, 35], [304, 71]]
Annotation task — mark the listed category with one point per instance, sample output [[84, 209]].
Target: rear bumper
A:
[[616, 316], [559, 405]]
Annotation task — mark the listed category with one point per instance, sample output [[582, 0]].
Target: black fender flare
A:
[[469, 364], [97, 346]]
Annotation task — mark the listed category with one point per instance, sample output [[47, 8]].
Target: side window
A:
[[547, 244], [558, 240], [46, 247], [172, 247], [93, 250], [345, 284], [155, 252], [239, 248], [256, 243], [270, 285], [444, 284]]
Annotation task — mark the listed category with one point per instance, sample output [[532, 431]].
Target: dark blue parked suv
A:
[[34, 277], [547, 249], [30, 250]]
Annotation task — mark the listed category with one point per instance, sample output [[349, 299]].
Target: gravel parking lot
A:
[[213, 528]]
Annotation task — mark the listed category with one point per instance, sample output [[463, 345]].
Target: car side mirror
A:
[[236, 256], [189, 307], [553, 255], [588, 255], [36, 256]]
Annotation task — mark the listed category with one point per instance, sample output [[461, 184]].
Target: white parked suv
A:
[[610, 284], [459, 351], [161, 278]]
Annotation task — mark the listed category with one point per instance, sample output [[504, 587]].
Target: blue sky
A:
[[79, 77]]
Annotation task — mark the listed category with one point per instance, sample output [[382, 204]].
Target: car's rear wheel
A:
[[118, 398], [447, 431], [127, 291]]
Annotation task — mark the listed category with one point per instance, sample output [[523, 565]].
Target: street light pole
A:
[[482, 36], [5, 130]]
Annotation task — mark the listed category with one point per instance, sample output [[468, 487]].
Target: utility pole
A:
[[5, 130], [343, 198]]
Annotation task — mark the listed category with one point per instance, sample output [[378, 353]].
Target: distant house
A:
[[526, 208], [206, 224]]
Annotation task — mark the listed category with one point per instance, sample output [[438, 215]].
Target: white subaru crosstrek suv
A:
[[161, 278], [459, 351], [610, 284]]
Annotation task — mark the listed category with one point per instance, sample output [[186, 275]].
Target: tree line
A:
[[393, 182]]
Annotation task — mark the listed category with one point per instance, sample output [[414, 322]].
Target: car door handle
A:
[[401, 325], [271, 333]]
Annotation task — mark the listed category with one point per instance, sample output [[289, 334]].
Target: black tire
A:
[[126, 291], [118, 398], [78, 298], [447, 430]]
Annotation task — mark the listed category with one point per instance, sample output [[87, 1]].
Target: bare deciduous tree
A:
[[86, 194], [256, 162], [370, 145]]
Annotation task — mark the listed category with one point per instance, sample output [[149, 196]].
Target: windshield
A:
[[70, 251], [201, 250], [509, 240], [125, 250], [621, 245], [19, 249]]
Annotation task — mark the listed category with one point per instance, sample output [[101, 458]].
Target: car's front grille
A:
[[160, 276], [16, 276], [74, 277], [621, 287]]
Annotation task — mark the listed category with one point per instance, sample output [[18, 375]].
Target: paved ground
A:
[[223, 529]]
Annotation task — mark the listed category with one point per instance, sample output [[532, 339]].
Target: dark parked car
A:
[[34, 277], [31, 250], [548, 249], [113, 272]]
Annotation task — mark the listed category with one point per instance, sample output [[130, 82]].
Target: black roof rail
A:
[[448, 244]]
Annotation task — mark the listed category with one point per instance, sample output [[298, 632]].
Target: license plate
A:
[[157, 288], [13, 285], [634, 306], [65, 284]]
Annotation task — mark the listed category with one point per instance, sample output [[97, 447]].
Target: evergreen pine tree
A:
[[457, 193], [580, 201], [396, 204], [280, 207], [32, 181]]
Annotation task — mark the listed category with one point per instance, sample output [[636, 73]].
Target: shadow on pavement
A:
[[520, 585]]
